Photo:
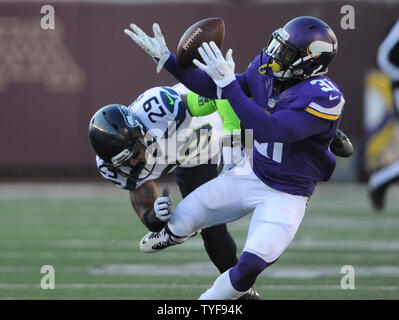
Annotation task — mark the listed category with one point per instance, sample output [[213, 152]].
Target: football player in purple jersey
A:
[[294, 114]]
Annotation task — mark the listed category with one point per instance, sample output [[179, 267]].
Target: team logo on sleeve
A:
[[130, 120], [169, 98]]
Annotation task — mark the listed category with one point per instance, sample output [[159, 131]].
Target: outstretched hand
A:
[[220, 69], [155, 47]]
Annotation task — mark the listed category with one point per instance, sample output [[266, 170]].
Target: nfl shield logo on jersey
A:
[[271, 103]]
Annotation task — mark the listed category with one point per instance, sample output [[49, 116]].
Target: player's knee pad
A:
[[269, 247], [273, 251], [244, 273]]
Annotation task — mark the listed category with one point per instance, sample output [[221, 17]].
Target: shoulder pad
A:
[[159, 106], [324, 99]]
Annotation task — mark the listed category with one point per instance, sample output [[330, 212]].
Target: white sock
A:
[[222, 289]]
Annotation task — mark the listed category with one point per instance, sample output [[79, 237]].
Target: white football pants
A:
[[232, 195]]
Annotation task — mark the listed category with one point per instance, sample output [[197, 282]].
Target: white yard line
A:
[[86, 255], [202, 269], [191, 286], [64, 191], [94, 255], [322, 197], [207, 269], [196, 244], [334, 222]]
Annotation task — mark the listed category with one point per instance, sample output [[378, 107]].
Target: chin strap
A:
[[274, 66]]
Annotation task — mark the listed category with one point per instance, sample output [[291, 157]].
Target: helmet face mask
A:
[[123, 158], [283, 54], [303, 48], [282, 51]]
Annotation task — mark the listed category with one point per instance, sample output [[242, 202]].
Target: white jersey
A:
[[181, 140]]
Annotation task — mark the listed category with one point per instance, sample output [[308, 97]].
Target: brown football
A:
[[210, 29]]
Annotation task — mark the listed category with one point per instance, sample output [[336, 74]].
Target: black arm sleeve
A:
[[152, 222]]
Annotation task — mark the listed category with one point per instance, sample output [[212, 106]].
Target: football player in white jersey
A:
[[157, 134], [124, 139]]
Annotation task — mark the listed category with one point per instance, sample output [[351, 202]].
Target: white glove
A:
[[155, 47], [221, 70], [163, 206]]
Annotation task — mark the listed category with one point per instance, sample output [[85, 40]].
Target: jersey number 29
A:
[[147, 106]]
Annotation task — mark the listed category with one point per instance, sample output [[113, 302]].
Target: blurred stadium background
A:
[[56, 210]]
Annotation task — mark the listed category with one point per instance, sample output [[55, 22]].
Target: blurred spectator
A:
[[382, 119]]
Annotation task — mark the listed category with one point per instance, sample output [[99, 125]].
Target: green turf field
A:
[[90, 235]]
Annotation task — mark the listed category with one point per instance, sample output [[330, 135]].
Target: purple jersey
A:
[[292, 127]]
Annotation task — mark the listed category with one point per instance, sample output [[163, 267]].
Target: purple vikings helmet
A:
[[303, 48]]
